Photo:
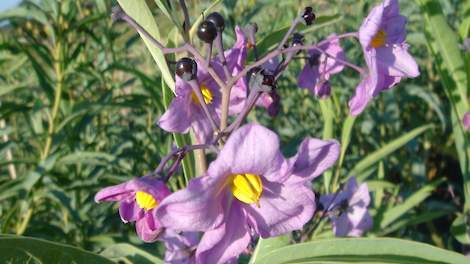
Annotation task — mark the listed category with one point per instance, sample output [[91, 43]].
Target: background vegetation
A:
[[79, 95]]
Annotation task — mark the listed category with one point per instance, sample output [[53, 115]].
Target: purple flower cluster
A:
[[250, 189]]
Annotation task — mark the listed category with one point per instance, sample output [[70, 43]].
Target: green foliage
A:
[[363, 250], [33, 250]]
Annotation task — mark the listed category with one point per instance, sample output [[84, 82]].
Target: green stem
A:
[[59, 72]]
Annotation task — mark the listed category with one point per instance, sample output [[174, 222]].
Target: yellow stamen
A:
[[379, 39], [247, 188], [145, 200], [206, 94]]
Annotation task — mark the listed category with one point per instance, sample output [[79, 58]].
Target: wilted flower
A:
[[138, 200], [249, 188], [382, 36], [348, 209], [180, 247], [466, 121], [317, 71]]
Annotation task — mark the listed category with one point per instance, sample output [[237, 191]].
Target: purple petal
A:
[[282, 208], [333, 48], [396, 61], [148, 228], [180, 248], [308, 77], [391, 8], [341, 226], [395, 29], [353, 223], [322, 90], [196, 208], [313, 158], [371, 26], [466, 121], [361, 98], [177, 117], [115, 193], [130, 211], [126, 190], [225, 243], [250, 149], [202, 127], [361, 196]]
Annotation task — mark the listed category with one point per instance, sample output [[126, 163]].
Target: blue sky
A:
[[6, 4]]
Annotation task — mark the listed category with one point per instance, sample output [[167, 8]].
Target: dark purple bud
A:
[[297, 39], [255, 27], [207, 31], [314, 59], [268, 79], [308, 16], [323, 90], [275, 107], [218, 20], [186, 69]]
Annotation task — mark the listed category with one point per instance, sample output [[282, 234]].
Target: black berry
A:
[[186, 69], [207, 31], [308, 16], [218, 20]]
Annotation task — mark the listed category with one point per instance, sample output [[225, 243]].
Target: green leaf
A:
[[86, 157], [7, 88], [386, 150], [363, 250], [124, 251], [443, 41], [265, 246], [15, 249], [416, 198], [327, 110], [460, 229], [139, 10]]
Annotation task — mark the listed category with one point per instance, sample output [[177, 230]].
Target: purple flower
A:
[[382, 36], [180, 247], [249, 189], [348, 209], [466, 121], [317, 71], [139, 198], [185, 111]]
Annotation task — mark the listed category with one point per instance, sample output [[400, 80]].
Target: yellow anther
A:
[[145, 200], [206, 94], [247, 188], [379, 39]]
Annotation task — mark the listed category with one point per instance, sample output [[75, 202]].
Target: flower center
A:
[[145, 200], [206, 94], [247, 188], [379, 39]]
